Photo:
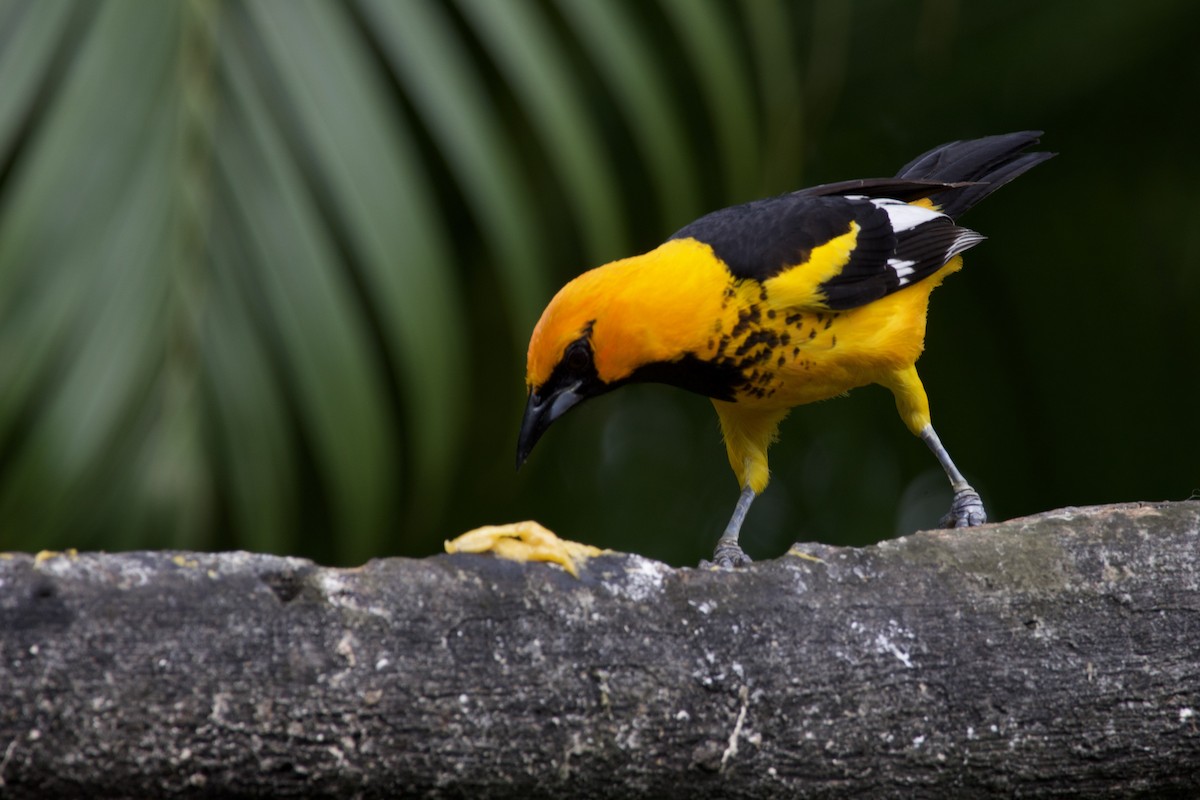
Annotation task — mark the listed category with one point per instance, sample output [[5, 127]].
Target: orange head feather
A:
[[648, 309]]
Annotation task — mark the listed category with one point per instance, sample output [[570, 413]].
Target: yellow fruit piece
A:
[[524, 541]]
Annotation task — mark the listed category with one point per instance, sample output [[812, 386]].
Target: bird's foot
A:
[[966, 511], [729, 554]]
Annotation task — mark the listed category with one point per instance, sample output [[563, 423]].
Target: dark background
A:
[[267, 270]]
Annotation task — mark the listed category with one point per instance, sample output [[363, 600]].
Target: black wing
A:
[[896, 244]]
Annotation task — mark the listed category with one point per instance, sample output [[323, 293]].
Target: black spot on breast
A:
[[769, 338], [755, 358], [746, 318]]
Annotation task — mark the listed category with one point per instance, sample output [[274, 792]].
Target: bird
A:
[[776, 303]]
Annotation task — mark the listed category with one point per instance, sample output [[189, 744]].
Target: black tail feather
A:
[[984, 165]]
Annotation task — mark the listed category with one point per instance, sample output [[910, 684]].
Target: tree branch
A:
[[1049, 656]]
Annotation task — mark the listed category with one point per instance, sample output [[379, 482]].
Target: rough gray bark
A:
[[1057, 655]]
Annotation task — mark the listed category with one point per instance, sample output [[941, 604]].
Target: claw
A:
[[728, 555], [966, 511]]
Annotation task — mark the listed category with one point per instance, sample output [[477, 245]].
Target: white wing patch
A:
[[964, 241], [904, 216], [903, 268]]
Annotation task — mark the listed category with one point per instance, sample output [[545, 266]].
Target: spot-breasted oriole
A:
[[775, 303]]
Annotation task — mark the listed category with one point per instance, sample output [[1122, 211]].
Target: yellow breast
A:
[[790, 357]]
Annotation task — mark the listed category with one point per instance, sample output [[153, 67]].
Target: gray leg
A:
[[728, 552], [967, 509]]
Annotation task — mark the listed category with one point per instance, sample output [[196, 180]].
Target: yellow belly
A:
[[803, 357], [822, 355]]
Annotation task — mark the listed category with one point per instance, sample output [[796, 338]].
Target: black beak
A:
[[540, 411]]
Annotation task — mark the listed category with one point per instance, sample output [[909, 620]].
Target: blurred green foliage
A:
[[267, 268]]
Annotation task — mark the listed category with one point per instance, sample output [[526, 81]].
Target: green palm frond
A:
[[231, 262], [268, 267]]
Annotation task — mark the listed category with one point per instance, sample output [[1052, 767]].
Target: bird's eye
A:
[[578, 358]]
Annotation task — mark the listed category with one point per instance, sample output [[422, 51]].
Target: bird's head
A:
[[646, 318]]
